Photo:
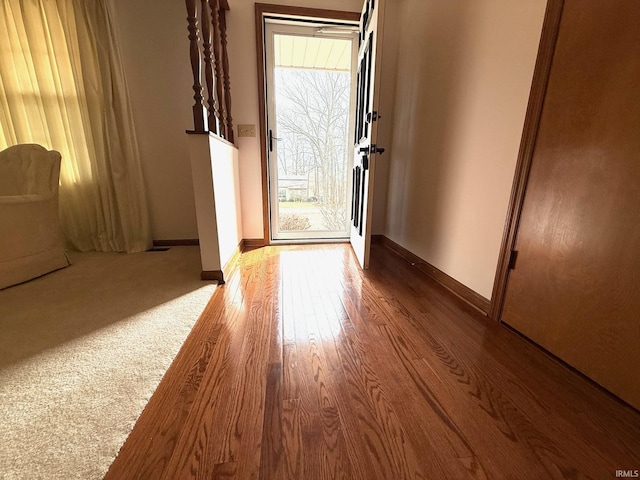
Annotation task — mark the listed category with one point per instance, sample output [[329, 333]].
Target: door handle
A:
[[271, 139], [372, 149], [373, 116]]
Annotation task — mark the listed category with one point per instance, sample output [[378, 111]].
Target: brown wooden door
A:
[[575, 289]]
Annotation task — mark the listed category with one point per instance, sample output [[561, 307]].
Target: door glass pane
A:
[[312, 79]]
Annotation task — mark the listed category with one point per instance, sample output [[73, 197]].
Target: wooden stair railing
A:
[[210, 55], [199, 125]]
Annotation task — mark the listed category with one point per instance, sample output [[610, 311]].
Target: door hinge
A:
[[513, 258]]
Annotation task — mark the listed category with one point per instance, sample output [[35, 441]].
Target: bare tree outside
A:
[[313, 150]]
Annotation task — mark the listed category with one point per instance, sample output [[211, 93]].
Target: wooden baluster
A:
[[228, 123], [213, 113], [217, 50], [199, 115]]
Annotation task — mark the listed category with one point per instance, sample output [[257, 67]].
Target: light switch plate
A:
[[246, 130]]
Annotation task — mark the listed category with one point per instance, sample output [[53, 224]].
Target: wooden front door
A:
[[575, 288]]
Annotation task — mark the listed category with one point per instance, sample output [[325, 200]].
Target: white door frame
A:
[[264, 11], [293, 26]]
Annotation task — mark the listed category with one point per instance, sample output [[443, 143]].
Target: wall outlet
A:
[[246, 130]]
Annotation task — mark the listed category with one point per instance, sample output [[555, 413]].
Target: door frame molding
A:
[[542, 70], [262, 9]]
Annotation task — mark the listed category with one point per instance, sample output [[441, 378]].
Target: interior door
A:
[[574, 287], [366, 150]]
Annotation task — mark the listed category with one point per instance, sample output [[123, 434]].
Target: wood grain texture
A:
[[306, 12], [195, 56], [228, 121], [574, 289], [304, 366], [252, 243], [217, 109]]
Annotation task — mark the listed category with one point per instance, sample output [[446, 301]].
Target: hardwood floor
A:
[[304, 367]]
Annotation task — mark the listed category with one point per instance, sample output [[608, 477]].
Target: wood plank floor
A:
[[304, 367]]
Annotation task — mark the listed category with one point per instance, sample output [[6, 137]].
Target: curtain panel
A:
[[62, 86]]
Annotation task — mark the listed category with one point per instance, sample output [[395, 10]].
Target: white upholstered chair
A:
[[31, 239]]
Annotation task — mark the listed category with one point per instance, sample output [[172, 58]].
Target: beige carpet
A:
[[81, 352]]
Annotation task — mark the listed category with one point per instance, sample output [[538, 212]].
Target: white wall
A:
[[154, 44], [226, 191], [214, 166], [389, 45], [464, 70], [244, 93], [201, 152]]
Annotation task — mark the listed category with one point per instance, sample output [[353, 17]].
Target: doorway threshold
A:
[[309, 241]]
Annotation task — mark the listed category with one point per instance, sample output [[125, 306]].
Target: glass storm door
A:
[[310, 124]]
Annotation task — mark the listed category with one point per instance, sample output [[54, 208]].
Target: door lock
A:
[[373, 149], [373, 116]]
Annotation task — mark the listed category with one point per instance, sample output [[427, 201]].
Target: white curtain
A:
[[62, 86]]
